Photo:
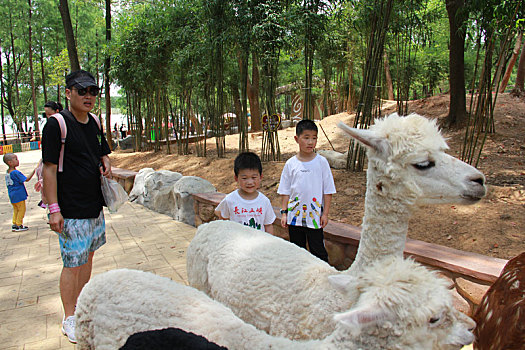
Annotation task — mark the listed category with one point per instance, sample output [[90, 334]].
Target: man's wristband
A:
[[53, 208], [284, 211]]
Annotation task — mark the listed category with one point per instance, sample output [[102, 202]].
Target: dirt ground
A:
[[495, 226]]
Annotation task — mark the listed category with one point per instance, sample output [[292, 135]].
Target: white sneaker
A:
[[68, 329]]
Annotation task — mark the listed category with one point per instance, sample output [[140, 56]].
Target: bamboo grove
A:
[[187, 70]]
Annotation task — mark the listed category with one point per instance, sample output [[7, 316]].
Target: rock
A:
[[286, 124], [157, 188], [137, 192], [336, 160], [163, 201], [182, 193], [127, 143], [204, 212]]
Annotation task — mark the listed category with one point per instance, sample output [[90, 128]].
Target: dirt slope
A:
[[495, 226]]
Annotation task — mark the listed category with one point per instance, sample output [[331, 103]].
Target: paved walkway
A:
[[30, 263]]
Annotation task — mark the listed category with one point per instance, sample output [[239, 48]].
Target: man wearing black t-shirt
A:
[[74, 195]]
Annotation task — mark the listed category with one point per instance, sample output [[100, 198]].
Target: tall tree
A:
[[511, 63], [253, 95], [457, 114], [379, 19], [31, 72], [2, 95], [243, 23], [107, 81], [15, 71], [388, 77], [311, 24], [519, 87], [42, 68], [63, 7]]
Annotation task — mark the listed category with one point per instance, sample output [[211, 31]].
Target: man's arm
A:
[[106, 166], [49, 174]]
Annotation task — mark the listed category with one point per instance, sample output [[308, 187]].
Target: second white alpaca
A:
[[402, 306]]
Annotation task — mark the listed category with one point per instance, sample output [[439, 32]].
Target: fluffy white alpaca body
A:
[[265, 280], [282, 289], [119, 303]]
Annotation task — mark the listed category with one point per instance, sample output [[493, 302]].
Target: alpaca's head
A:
[[407, 161], [402, 305]]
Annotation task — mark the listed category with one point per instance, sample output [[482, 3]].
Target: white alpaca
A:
[[284, 290], [403, 306], [407, 166]]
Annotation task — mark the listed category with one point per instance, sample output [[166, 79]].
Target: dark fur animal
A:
[[500, 317], [169, 339]]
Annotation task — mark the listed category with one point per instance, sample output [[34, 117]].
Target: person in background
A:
[[16, 189], [52, 107], [122, 131]]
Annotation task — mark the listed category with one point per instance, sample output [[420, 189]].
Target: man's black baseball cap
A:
[[80, 79]]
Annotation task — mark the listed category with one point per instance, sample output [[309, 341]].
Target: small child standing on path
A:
[[247, 205], [306, 189], [16, 189]]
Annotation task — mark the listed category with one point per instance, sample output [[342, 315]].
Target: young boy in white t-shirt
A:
[[306, 189], [247, 205]]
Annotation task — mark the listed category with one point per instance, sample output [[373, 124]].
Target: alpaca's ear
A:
[[362, 316], [368, 138], [341, 282]]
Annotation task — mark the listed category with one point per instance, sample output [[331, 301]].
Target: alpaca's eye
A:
[[434, 320], [424, 165]]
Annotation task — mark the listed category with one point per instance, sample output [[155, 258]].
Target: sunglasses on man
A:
[[93, 91]]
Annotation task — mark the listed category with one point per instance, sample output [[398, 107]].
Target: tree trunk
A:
[[15, 70], [70, 38], [32, 73], [350, 102], [457, 115], [242, 118], [253, 96], [12, 103], [107, 82], [234, 87], [512, 61], [43, 70], [2, 96], [388, 78], [327, 72], [520, 76]]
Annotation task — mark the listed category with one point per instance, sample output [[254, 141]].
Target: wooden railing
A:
[[471, 274]]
